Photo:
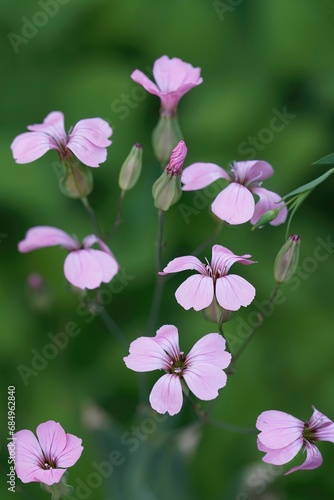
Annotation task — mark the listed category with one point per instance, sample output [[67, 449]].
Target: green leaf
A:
[[326, 160], [296, 205], [310, 185]]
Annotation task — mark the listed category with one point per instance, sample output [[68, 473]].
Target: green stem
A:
[[113, 328], [209, 240], [118, 219], [92, 216]]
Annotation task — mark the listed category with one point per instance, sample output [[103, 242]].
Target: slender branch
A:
[[259, 323], [209, 240], [113, 328], [92, 216], [118, 218]]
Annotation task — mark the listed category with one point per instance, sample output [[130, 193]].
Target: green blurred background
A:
[[258, 58]]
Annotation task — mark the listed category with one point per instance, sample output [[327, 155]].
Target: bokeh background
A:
[[258, 58]]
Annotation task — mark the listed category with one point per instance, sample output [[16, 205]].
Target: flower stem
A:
[[259, 323], [92, 216], [209, 240], [113, 328], [118, 219]]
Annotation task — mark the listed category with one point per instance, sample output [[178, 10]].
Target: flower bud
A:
[[165, 137], [167, 189], [266, 218], [131, 168], [287, 258], [217, 314], [77, 179]]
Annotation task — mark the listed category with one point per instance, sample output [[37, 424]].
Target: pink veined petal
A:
[[204, 380], [86, 151], [53, 126], [52, 438], [210, 349], [196, 292], [49, 476], [146, 355], [30, 146], [167, 337], [139, 77], [313, 459], [28, 455], [184, 264], [91, 239], [323, 427], [46, 236], [71, 453], [223, 259], [278, 420], [83, 270], [247, 172], [277, 438], [262, 447], [94, 130], [232, 292], [107, 263], [166, 395], [175, 75], [283, 455], [235, 204], [268, 201], [200, 175]]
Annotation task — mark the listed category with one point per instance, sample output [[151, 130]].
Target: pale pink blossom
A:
[[45, 459], [201, 369], [173, 77], [88, 140], [84, 266], [235, 203], [282, 436], [213, 280]]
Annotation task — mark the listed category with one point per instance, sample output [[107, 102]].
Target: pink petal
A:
[[322, 425], [235, 204], [50, 476], [175, 75], [223, 258], [86, 151], [146, 355], [313, 459], [204, 380], [200, 175], [277, 419], [83, 270], [232, 292], [52, 438], [28, 455], [95, 130], [277, 438], [71, 453], [167, 337], [268, 201], [108, 265], [166, 395], [30, 146], [247, 172], [196, 292], [139, 77], [46, 236], [283, 455], [53, 126], [183, 264], [210, 349]]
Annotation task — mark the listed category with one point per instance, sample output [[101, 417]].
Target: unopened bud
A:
[[287, 258], [217, 314], [77, 179], [167, 189], [266, 218], [131, 168], [165, 137]]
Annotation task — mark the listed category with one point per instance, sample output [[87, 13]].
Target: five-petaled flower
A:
[[88, 140], [230, 290], [45, 459], [201, 369], [173, 77], [235, 204], [282, 436], [84, 267]]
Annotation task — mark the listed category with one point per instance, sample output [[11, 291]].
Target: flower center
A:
[[48, 464], [178, 365]]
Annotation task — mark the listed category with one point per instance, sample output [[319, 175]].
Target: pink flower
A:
[[88, 140], [173, 79], [201, 369], [84, 266], [45, 459], [235, 204], [177, 158], [282, 436], [198, 291]]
